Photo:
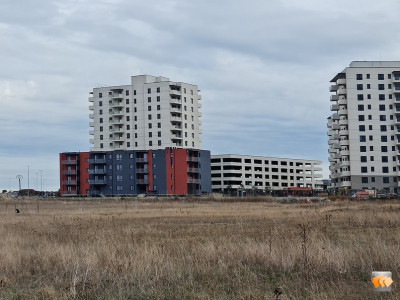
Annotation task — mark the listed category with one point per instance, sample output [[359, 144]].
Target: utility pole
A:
[[19, 177], [41, 180], [28, 180]]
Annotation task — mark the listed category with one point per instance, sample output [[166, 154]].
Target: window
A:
[[381, 87], [359, 77], [359, 87], [371, 158], [149, 108], [101, 128], [159, 143], [364, 169], [128, 118], [158, 98], [371, 138], [384, 138], [364, 179], [148, 99], [369, 96], [119, 177], [363, 159], [383, 128], [101, 137], [150, 143], [361, 118], [135, 118], [361, 127], [159, 133], [369, 106], [158, 90], [382, 107], [384, 149], [100, 95], [127, 109], [370, 127], [368, 86], [389, 76], [363, 138], [385, 170], [134, 92], [382, 117], [134, 101], [368, 76], [389, 86], [100, 103], [119, 167], [158, 107], [381, 77], [381, 97], [127, 93], [150, 134], [371, 148], [134, 109], [369, 117], [101, 120], [363, 149], [385, 179], [149, 91], [158, 116], [384, 159], [150, 125], [360, 97], [149, 117], [372, 169], [360, 107], [158, 125]]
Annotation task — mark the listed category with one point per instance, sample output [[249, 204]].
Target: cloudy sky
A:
[[263, 68]]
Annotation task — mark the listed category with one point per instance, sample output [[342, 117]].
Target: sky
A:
[[263, 68]]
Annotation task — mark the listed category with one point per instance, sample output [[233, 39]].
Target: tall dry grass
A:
[[196, 250]]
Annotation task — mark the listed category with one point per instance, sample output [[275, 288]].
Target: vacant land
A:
[[164, 249]]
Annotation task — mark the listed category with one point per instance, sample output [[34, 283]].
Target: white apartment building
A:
[[150, 113], [245, 171], [364, 129]]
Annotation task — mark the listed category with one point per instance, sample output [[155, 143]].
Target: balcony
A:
[[342, 101], [335, 136], [343, 111], [70, 182], [97, 171], [334, 107], [346, 183], [193, 180], [142, 171], [341, 81], [175, 136], [91, 132], [343, 122], [69, 172], [91, 141], [193, 158], [117, 104], [97, 182], [333, 88], [396, 78], [335, 127], [175, 118], [334, 97], [345, 163], [175, 109], [117, 96], [141, 181], [336, 146], [115, 112], [341, 91], [90, 107], [176, 128], [344, 152], [117, 121], [343, 132], [335, 117], [331, 142], [117, 138], [90, 99], [69, 162], [97, 161], [141, 160], [91, 124], [344, 142], [345, 173], [193, 170], [396, 88], [175, 92], [91, 116], [175, 101]]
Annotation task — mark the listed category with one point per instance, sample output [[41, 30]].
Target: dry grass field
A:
[[164, 249]]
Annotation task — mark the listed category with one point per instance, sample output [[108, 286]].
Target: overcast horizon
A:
[[263, 68]]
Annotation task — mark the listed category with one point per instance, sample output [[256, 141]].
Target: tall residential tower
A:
[[150, 113], [364, 129]]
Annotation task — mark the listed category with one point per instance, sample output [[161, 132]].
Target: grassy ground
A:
[[196, 249]]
